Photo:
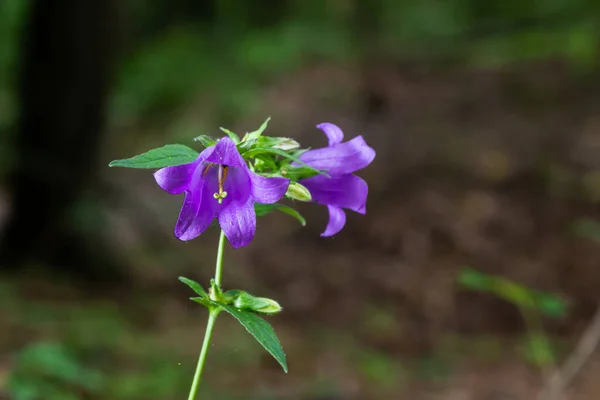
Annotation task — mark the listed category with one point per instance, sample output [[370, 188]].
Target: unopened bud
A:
[[287, 145], [246, 301], [298, 192]]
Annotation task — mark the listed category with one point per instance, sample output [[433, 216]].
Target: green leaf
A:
[[195, 286], [231, 135], [205, 301], [263, 150], [264, 209], [166, 156], [206, 141], [262, 331]]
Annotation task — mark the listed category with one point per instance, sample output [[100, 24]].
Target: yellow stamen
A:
[[221, 176]]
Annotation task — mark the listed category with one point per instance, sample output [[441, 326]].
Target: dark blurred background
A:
[[485, 116]]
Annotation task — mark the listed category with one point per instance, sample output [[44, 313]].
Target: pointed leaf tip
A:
[[195, 286], [166, 156], [262, 331]]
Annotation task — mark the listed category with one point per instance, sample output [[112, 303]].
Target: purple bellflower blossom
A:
[[219, 185], [342, 189]]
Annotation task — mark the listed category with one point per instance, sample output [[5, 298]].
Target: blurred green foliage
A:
[[226, 49], [587, 228], [48, 371], [12, 13], [537, 347], [520, 296], [175, 52]]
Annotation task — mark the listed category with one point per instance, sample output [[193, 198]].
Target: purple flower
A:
[[220, 185], [342, 189]]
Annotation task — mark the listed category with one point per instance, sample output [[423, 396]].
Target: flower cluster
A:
[[231, 176], [235, 180]]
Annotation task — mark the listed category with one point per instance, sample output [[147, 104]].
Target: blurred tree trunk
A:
[[66, 62]]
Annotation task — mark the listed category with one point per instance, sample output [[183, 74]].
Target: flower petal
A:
[[175, 180], [337, 220], [347, 191], [343, 158], [238, 222], [226, 153], [333, 132], [268, 190], [238, 185], [199, 224], [195, 215]]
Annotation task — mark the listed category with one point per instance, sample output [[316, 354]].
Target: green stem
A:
[[219, 266], [212, 317]]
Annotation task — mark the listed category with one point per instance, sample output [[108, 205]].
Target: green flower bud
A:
[[298, 192], [287, 144], [246, 301]]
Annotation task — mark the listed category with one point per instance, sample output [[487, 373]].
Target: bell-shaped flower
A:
[[341, 189], [219, 185]]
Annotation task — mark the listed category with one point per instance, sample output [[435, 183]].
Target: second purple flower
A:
[[342, 189]]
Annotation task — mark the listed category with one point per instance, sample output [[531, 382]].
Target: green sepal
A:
[[230, 296], [167, 156], [206, 141], [232, 136], [297, 173], [257, 133], [264, 209], [250, 138], [254, 152], [215, 290], [262, 163]]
